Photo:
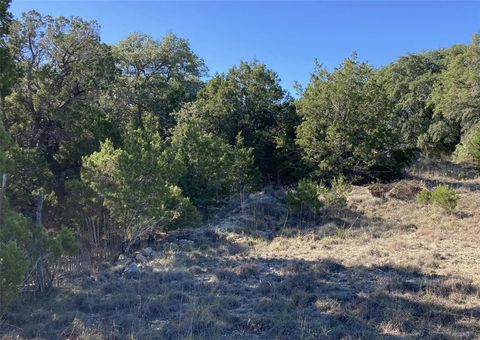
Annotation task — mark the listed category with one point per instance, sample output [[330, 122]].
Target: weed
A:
[[444, 197]]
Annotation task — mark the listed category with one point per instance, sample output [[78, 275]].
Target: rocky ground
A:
[[384, 266]]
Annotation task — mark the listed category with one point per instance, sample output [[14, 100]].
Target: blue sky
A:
[[287, 36]]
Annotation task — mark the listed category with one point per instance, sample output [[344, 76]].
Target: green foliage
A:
[[346, 123], [156, 78], [15, 227], [6, 162], [444, 197], [473, 146], [288, 163], [214, 169], [15, 242], [336, 195], [8, 69], [21, 244], [30, 175], [247, 100], [12, 268], [173, 143], [455, 96], [309, 197], [138, 184], [409, 83], [54, 245], [441, 137], [305, 197], [424, 196], [53, 109]]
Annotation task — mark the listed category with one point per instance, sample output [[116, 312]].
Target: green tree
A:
[[473, 145], [21, 243], [304, 199], [444, 197], [156, 78], [287, 162], [138, 185], [214, 169], [347, 123], [54, 106], [247, 100], [456, 96], [14, 233], [409, 83], [7, 69], [12, 268]]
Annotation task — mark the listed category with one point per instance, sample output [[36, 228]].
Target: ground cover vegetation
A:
[[107, 148]]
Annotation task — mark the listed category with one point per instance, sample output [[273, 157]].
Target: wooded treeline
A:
[[118, 142]]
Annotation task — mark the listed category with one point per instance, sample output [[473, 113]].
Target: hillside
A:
[[379, 268], [162, 186]]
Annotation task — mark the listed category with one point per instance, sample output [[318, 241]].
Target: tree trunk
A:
[[43, 277]]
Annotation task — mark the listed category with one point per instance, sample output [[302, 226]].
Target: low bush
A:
[[424, 196], [336, 195], [310, 196], [442, 196], [305, 197], [12, 269]]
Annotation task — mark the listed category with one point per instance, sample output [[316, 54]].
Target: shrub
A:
[[22, 243], [305, 197], [424, 196], [214, 169], [336, 195], [345, 127], [12, 269], [442, 196], [139, 185], [473, 146], [445, 197], [309, 196]]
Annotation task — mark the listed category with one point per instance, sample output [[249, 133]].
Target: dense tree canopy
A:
[[409, 83], [456, 95], [156, 78], [348, 124], [214, 168], [248, 101], [7, 69], [53, 108]]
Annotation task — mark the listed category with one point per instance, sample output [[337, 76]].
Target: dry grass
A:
[[374, 269]]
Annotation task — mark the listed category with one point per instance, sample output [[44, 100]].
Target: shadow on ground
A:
[[211, 288], [435, 172], [254, 298]]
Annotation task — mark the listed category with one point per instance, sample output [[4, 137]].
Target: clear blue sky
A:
[[287, 36]]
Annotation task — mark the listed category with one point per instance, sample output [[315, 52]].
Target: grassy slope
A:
[[376, 269]]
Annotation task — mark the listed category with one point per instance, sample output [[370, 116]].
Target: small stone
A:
[[121, 258], [140, 258], [147, 252], [132, 270]]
